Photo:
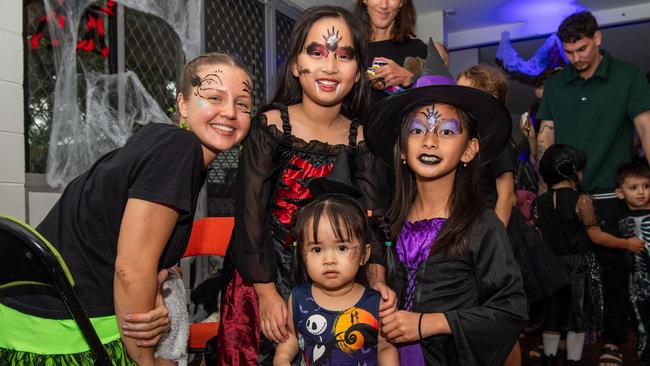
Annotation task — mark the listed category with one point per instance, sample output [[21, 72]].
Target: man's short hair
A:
[[637, 168], [577, 26]]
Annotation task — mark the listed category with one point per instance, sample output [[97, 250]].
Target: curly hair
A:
[[488, 79], [577, 26]]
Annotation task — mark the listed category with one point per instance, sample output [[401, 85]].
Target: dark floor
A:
[[590, 354]]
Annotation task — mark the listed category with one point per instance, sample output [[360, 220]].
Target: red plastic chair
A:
[[210, 236]]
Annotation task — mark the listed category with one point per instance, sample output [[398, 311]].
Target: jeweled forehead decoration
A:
[[432, 117], [332, 39]]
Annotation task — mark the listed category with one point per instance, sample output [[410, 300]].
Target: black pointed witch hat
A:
[[436, 85], [339, 180]]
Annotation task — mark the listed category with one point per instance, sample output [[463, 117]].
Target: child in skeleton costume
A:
[[314, 116], [633, 185], [569, 226]]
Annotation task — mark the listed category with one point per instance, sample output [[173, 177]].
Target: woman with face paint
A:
[[313, 119], [391, 28], [121, 222]]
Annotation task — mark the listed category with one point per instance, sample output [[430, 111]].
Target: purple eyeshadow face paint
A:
[[433, 122]]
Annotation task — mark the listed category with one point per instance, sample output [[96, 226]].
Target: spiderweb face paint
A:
[[209, 87]]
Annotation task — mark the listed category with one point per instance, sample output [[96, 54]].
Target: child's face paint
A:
[[430, 120], [327, 67], [436, 142], [218, 109]]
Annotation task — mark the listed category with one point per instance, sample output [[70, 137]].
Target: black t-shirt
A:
[[161, 163], [396, 51], [504, 163]]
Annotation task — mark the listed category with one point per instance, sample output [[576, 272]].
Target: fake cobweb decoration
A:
[[548, 56], [114, 103]]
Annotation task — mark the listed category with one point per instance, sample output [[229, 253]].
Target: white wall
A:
[[431, 24], [461, 60], [12, 145]]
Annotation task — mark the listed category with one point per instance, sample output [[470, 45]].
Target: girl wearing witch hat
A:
[[458, 285]]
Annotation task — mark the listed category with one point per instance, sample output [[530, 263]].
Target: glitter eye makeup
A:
[[417, 126], [450, 127], [435, 123]]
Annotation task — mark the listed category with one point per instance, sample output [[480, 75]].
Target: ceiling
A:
[[470, 14]]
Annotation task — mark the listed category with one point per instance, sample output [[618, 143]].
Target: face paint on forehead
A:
[[332, 39], [207, 84], [434, 122], [432, 117]]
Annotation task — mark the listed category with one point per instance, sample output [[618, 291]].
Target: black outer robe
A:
[[480, 293]]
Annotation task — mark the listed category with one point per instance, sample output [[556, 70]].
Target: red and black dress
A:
[[274, 170]]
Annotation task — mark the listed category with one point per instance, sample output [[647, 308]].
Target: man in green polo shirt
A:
[[594, 105]]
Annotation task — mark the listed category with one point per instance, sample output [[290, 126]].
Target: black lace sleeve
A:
[[251, 241], [371, 176]]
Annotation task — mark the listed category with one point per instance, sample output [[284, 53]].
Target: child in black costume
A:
[[569, 225], [457, 281], [321, 95]]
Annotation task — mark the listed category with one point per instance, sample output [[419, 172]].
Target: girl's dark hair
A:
[[562, 162], [289, 91], [380, 231], [348, 222], [464, 210], [404, 26]]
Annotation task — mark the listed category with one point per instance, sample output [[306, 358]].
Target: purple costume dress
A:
[[413, 246]]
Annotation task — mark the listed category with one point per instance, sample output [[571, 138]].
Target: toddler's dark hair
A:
[[562, 162], [348, 222]]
